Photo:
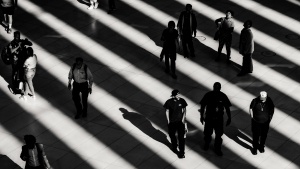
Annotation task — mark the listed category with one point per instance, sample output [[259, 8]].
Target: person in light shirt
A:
[[29, 67], [82, 79]]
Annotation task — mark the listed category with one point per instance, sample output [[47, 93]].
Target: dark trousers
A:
[[247, 66], [173, 65], [225, 41], [29, 167], [180, 129], [187, 41], [217, 126], [80, 103], [259, 134]]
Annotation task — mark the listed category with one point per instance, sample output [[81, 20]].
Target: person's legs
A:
[[191, 46], [228, 47], [255, 127], [218, 126], [167, 56], [263, 137], [10, 21], [172, 131], [29, 76], [208, 130], [181, 139], [184, 47], [84, 97], [76, 99], [173, 67], [221, 44]]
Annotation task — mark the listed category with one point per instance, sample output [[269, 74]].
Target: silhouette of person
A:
[[211, 112], [246, 48], [187, 25], [225, 26]]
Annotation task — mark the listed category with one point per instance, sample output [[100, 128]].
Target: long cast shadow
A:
[[7, 163]]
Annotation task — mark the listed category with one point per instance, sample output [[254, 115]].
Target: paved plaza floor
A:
[[126, 125]]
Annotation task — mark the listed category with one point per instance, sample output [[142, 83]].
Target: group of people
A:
[[23, 62], [186, 30], [212, 107]]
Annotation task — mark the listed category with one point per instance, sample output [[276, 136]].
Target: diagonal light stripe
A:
[[294, 2], [131, 80]]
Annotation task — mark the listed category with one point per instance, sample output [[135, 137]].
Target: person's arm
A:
[[168, 115], [218, 22], [251, 113], [90, 79], [22, 155], [201, 110], [70, 78], [227, 108], [13, 50], [44, 156]]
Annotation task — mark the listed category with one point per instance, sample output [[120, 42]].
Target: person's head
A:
[[17, 35], [188, 7], [217, 86], [79, 62], [175, 93], [171, 25], [248, 24], [263, 96], [229, 13], [30, 140], [29, 51]]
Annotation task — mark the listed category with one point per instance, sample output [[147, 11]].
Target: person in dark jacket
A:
[[187, 25], [211, 112], [261, 112], [246, 48], [169, 37]]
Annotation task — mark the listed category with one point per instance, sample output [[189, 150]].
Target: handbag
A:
[[217, 35], [5, 56]]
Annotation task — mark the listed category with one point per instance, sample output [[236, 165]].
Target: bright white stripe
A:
[[294, 2], [155, 93]]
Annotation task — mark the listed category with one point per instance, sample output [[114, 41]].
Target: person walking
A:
[[246, 48], [225, 26], [8, 9], [187, 25], [176, 118], [169, 37], [82, 83], [211, 112], [29, 67], [261, 112], [34, 155]]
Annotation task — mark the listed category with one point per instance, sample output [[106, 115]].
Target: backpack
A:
[[85, 70]]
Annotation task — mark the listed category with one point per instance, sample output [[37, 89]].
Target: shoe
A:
[[261, 150], [91, 7], [23, 98], [174, 149], [254, 151], [77, 116], [181, 155], [9, 30], [206, 147], [219, 152], [96, 5]]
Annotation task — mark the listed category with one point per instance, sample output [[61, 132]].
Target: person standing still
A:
[[261, 112], [176, 118], [82, 83], [169, 37], [226, 27], [187, 25], [246, 48], [8, 9], [211, 112]]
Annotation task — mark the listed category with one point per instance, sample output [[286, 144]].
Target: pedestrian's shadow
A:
[[237, 136], [142, 123], [7, 163]]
